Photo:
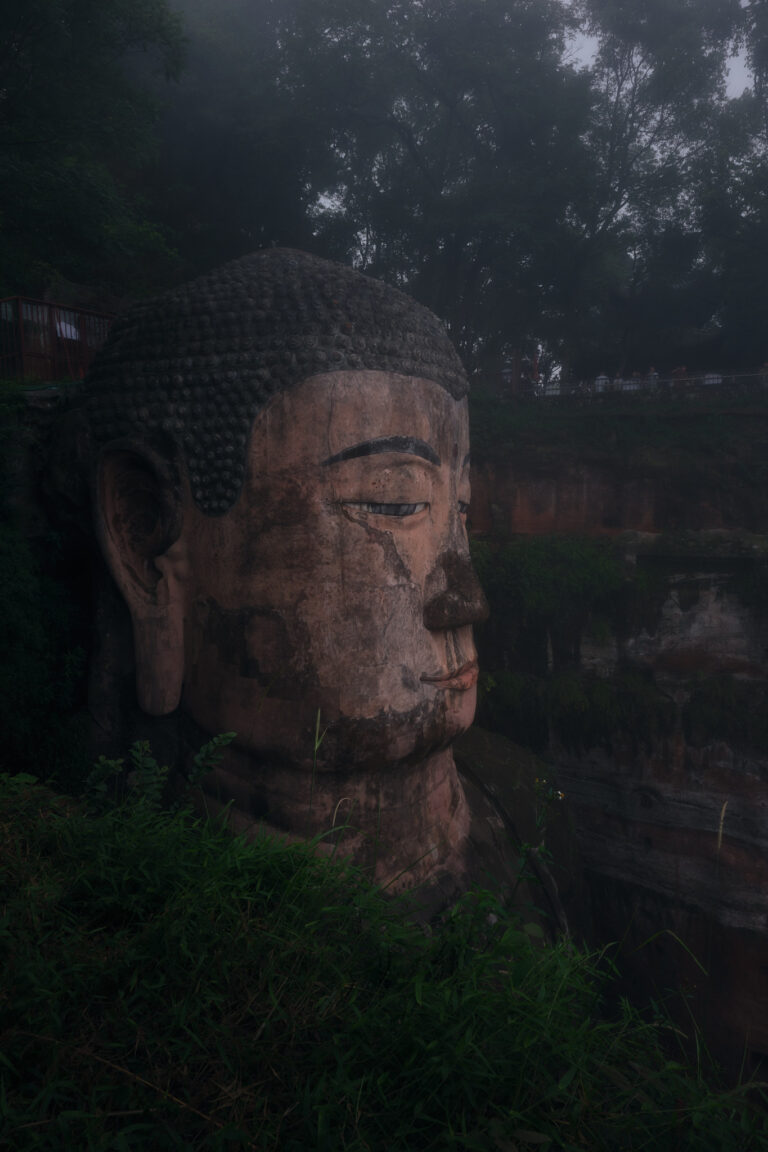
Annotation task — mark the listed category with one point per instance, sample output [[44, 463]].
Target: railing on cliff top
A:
[[40, 340], [652, 384]]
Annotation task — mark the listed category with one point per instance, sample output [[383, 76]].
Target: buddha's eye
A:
[[388, 509], [463, 507]]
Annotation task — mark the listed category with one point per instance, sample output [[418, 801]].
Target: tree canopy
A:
[[75, 123], [612, 213]]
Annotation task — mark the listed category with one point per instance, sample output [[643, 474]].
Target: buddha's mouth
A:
[[461, 680]]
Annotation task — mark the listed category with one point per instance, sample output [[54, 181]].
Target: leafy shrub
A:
[[168, 985], [515, 704], [579, 710], [549, 581], [587, 711]]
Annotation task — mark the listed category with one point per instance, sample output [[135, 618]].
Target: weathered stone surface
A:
[[507, 501], [542, 833], [676, 841], [508, 498], [280, 479], [673, 829], [704, 628]]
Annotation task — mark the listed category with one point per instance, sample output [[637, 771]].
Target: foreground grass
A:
[[165, 985]]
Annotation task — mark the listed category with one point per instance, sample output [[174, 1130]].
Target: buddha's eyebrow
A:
[[386, 444]]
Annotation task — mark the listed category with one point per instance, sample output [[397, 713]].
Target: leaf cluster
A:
[[549, 580]]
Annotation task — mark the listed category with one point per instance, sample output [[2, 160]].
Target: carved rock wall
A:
[[576, 500], [674, 839], [671, 823], [675, 832], [594, 501], [672, 826]]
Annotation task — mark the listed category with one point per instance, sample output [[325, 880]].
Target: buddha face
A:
[[340, 582]]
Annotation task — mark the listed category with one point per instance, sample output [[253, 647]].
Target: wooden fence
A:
[[40, 340]]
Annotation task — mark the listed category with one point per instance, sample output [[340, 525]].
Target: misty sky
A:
[[739, 76]]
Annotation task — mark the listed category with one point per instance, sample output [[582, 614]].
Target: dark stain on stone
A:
[[384, 539], [453, 594], [350, 743], [230, 628]]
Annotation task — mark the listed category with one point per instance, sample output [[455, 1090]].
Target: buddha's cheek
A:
[[236, 661], [367, 647]]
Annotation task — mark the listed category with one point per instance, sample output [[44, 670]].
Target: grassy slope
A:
[[166, 985]]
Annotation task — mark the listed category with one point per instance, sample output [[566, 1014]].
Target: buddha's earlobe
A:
[[138, 523]]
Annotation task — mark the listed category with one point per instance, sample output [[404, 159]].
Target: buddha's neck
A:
[[401, 826]]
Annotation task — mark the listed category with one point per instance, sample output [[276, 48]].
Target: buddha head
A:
[[280, 478]]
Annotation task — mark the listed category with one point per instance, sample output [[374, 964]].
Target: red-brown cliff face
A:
[[671, 821], [579, 499], [587, 500], [673, 829], [626, 464]]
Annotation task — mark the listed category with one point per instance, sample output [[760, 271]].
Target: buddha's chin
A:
[[393, 739], [284, 733]]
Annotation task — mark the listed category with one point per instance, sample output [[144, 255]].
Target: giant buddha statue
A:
[[279, 455]]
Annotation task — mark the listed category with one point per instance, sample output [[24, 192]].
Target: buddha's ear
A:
[[138, 509]]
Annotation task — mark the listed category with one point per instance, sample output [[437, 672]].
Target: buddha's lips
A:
[[461, 680]]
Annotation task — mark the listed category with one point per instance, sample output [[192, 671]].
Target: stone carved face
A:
[[281, 453], [340, 580]]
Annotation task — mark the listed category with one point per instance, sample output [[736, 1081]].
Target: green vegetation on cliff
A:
[[168, 985], [552, 596], [547, 594]]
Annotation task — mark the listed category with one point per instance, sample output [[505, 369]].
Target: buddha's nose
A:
[[453, 595]]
